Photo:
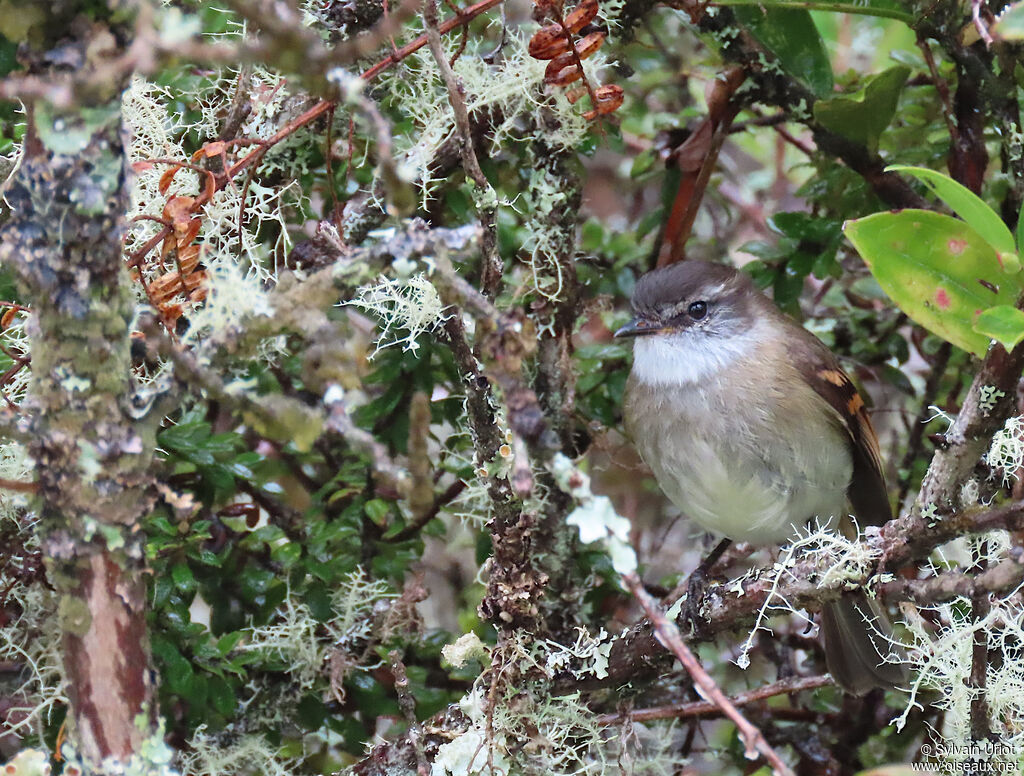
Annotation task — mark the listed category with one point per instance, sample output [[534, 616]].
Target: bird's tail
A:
[[858, 639]]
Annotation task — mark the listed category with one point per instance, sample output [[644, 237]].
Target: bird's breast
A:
[[746, 458]]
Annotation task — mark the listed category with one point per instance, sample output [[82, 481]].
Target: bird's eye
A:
[[697, 310]]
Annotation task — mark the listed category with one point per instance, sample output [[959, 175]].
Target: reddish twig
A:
[[978, 23], [415, 45], [669, 636], [19, 487], [694, 178], [941, 86]]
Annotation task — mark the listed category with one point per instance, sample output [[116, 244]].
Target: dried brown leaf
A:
[[607, 99], [548, 42], [582, 15]]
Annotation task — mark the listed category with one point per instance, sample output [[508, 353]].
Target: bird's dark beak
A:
[[639, 327]]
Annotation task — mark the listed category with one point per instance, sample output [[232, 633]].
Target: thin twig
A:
[[708, 709], [1002, 578], [916, 438], [978, 23], [980, 607], [19, 487], [486, 199], [668, 635], [407, 703], [417, 524], [941, 86]]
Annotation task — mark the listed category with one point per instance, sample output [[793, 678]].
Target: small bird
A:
[[752, 429]]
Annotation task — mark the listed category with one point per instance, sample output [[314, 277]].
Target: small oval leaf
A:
[[1003, 323], [863, 116]]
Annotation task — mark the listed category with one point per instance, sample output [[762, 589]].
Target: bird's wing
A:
[[867, 491]]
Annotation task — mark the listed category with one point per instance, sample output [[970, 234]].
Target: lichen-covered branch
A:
[[63, 242]]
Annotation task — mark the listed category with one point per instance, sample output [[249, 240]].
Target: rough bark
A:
[[63, 241]]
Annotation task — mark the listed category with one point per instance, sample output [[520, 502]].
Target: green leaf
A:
[[885, 9], [228, 642], [1011, 24], [177, 671], [643, 162], [221, 695], [183, 578], [791, 35], [863, 115], [969, 206], [936, 269], [286, 554], [378, 510], [1003, 323]]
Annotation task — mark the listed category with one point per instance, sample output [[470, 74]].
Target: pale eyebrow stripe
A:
[[708, 295]]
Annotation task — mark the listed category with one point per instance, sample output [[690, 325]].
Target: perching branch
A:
[[709, 709], [668, 634]]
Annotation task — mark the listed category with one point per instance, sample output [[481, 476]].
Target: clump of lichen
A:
[[941, 654], [519, 727], [412, 306]]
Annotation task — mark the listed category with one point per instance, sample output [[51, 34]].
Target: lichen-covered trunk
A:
[[63, 240]]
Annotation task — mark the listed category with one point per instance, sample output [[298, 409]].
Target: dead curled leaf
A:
[[550, 41], [554, 42], [588, 45], [607, 99], [582, 15]]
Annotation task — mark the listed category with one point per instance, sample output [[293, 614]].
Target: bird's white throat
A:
[[685, 357]]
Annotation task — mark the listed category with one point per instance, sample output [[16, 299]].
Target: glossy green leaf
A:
[[936, 268], [791, 35], [1011, 24], [863, 115], [1003, 323], [176, 669], [183, 577], [221, 695], [969, 206], [886, 9]]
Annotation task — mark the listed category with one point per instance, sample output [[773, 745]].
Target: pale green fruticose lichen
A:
[[234, 296], [942, 658], [511, 88], [565, 736], [839, 558], [1006, 454], [588, 655], [238, 258], [15, 465], [412, 306], [213, 754], [302, 642], [467, 647], [33, 640]]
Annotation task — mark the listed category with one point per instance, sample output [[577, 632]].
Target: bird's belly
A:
[[758, 494], [736, 498]]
